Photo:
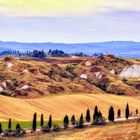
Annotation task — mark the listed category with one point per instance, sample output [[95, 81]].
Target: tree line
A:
[[96, 119]]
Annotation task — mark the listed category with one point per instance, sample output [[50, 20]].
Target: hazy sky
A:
[[69, 20]]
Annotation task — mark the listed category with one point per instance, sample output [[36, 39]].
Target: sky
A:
[[69, 21]]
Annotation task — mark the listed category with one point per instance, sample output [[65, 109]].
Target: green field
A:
[[27, 124]]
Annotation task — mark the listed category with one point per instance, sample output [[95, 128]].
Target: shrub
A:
[[5, 93], [18, 132], [64, 75], [56, 128], [45, 129]]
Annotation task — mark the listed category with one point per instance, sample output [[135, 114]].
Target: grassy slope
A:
[[27, 124], [59, 105]]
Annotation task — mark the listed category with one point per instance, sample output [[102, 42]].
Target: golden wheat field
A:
[[59, 105]]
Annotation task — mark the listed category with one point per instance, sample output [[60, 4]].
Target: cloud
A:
[[63, 7]]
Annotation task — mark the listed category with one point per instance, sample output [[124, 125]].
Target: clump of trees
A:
[[57, 53], [97, 117], [38, 54], [17, 132]]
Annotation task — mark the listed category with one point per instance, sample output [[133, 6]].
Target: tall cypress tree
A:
[[50, 122], [127, 111], [111, 114], [119, 113], [88, 116], [81, 121], [1, 128], [9, 124], [66, 121], [73, 121], [34, 122], [95, 115], [41, 120]]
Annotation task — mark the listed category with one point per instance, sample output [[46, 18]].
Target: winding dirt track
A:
[[59, 105]]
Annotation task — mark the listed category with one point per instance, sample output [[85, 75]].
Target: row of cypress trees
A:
[[111, 115], [34, 124], [97, 119]]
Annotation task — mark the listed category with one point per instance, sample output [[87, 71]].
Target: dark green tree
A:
[[81, 121], [18, 126], [34, 123], [73, 121], [42, 120], [137, 111], [1, 128], [127, 111], [95, 115], [66, 121], [88, 116], [111, 114], [50, 122], [9, 124], [119, 113]]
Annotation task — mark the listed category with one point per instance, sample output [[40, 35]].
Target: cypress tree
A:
[[137, 111], [95, 115], [88, 116], [41, 120], [73, 121], [127, 111], [18, 126], [0, 128], [111, 114], [50, 122], [66, 121], [34, 122], [9, 124], [81, 121], [119, 113]]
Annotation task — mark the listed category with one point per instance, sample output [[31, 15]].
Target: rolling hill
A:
[[60, 105], [36, 78]]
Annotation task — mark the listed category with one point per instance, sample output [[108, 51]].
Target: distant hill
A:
[[119, 48]]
